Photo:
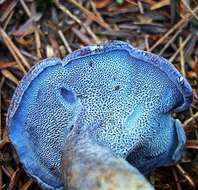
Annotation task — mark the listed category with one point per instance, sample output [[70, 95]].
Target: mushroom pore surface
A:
[[127, 101]]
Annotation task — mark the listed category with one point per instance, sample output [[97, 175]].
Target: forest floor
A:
[[33, 30]]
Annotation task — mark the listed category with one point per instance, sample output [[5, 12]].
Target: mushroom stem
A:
[[87, 165]]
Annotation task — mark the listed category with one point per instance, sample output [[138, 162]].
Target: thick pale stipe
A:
[[87, 165]]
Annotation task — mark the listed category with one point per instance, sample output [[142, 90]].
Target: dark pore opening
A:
[[68, 95]]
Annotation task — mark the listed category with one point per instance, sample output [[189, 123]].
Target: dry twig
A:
[[92, 16], [182, 60], [8, 10], [25, 8], [180, 48], [7, 74], [195, 116], [87, 28], [176, 179], [186, 176], [182, 22], [190, 10], [14, 51], [64, 40], [38, 43], [170, 41]]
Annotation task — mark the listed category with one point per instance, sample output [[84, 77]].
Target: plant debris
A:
[[33, 30]]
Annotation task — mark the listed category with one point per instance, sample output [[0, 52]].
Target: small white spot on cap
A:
[[181, 78], [93, 48]]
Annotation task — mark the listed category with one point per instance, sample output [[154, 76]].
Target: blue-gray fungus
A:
[[127, 97]]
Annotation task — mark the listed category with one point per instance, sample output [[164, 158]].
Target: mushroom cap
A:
[[87, 165], [127, 94]]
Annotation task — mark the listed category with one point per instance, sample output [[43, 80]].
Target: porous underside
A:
[[126, 97]]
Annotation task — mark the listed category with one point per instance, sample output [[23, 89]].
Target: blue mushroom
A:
[[121, 96]]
